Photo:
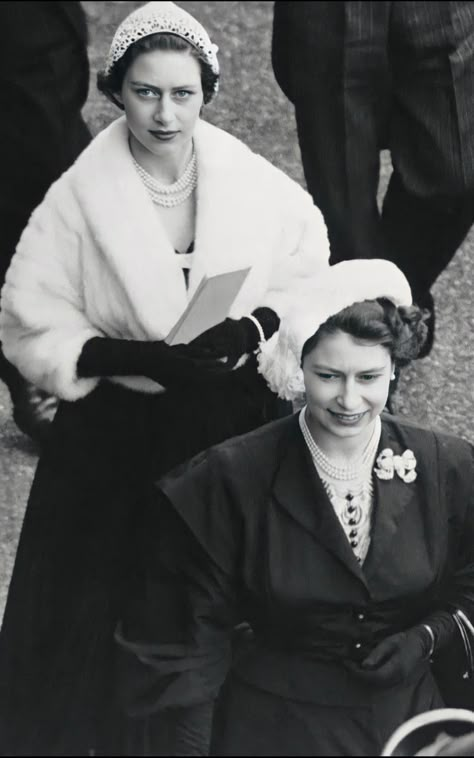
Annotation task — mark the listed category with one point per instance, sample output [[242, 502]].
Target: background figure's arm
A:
[[282, 47]]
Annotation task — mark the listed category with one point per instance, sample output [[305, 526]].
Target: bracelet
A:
[[465, 620], [257, 323], [432, 640], [460, 618]]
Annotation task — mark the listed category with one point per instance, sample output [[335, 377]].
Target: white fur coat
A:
[[94, 259]]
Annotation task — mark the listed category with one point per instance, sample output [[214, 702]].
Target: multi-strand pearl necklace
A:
[[335, 470], [349, 488], [170, 195]]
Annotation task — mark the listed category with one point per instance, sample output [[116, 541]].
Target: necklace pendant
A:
[[352, 517]]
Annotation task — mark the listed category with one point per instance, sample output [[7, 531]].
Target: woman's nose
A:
[[349, 397], [164, 111]]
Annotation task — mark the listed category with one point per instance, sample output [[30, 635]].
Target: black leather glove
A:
[[176, 365], [233, 338], [393, 659]]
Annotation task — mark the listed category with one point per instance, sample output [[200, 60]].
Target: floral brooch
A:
[[405, 465]]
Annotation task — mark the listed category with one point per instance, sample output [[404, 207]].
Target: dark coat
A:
[[44, 76], [79, 548], [246, 532]]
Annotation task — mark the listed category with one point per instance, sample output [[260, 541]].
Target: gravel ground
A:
[[436, 391]]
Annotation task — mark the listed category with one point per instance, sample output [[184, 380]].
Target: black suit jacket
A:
[[390, 65]]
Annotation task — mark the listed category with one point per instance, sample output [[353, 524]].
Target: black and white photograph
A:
[[237, 378]]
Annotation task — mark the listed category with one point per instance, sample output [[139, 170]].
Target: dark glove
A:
[[394, 659], [182, 365], [233, 338], [175, 365]]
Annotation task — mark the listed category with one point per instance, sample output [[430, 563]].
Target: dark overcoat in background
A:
[[44, 80], [246, 532], [44, 73], [80, 544]]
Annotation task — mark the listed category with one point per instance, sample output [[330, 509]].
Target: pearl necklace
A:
[[170, 195], [333, 470]]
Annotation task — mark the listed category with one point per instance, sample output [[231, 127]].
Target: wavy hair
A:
[[402, 330]]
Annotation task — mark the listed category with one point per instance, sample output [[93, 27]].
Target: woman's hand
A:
[[183, 365], [177, 365], [233, 338], [393, 660]]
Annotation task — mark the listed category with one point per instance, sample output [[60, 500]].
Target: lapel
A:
[[300, 491], [391, 498]]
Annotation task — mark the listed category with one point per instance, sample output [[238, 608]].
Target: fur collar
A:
[[234, 217]]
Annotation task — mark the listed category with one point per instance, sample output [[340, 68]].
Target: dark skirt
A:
[[252, 722], [77, 552]]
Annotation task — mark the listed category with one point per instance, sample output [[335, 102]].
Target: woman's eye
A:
[[326, 377], [369, 377], [145, 92], [182, 94]]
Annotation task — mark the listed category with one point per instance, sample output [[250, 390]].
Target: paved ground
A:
[[436, 391]]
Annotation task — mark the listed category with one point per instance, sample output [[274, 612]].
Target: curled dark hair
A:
[[402, 330], [111, 84]]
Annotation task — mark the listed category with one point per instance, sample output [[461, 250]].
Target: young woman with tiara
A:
[[106, 267]]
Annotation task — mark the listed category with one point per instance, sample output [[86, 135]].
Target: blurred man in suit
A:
[[365, 76]]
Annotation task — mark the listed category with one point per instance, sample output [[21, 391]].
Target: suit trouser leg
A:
[[409, 64], [424, 234], [429, 205], [341, 118]]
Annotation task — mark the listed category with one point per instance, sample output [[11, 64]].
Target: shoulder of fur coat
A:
[[217, 150], [87, 263], [219, 154]]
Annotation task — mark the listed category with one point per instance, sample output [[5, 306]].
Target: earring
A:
[[393, 376]]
